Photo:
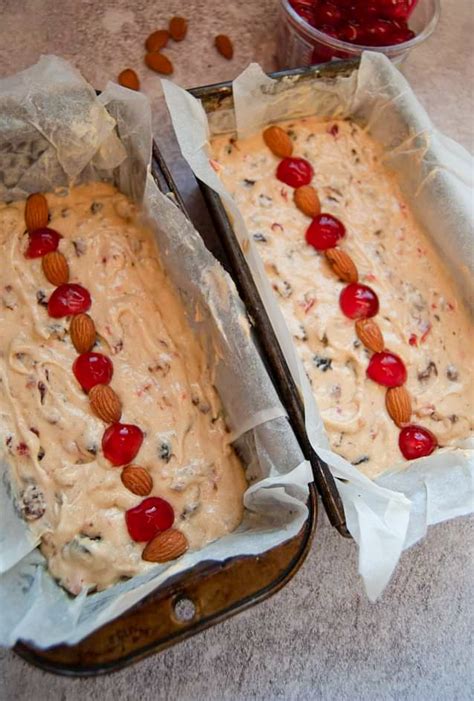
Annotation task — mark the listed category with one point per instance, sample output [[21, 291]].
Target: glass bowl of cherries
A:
[[317, 31]]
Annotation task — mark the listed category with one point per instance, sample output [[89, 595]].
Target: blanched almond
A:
[[105, 403], [55, 268], [307, 200], [278, 141], [398, 403], [137, 480], [166, 546], [82, 332], [342, 264], [370, 335], [36, 212]]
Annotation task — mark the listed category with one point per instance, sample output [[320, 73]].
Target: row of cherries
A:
[[120, 442], [357, 301], [361, 22]]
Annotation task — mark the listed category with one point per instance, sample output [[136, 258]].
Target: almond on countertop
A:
[[36, 212], [129, 79], [278, 141], [55, 268], [105, 403], [159, 63], [157, 40], [398, 403], [370, 335], [82, 332], [137, 480], [342, 264], [224, 46], [165, 546], [178, 28], [307, 200]]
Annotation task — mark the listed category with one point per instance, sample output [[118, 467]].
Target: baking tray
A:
[[212, 98], [190, 602]]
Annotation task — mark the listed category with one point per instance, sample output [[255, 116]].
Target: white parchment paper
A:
[[436, 175], [54, 131]]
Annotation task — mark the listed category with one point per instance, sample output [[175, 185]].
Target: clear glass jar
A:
[[299, 44]]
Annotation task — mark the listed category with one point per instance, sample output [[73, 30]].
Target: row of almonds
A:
[[414, 441], [158, 61], [166, 544]]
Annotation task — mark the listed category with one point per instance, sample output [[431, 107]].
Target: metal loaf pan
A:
[[190, 602], [212, 98]]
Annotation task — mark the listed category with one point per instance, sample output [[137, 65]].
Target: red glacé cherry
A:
[[91, 369], [149, 518], [387, 369], [41, 242], [295, 172], [358, 301], [416, 442], [325, 231], [121, 443], [68, 299]]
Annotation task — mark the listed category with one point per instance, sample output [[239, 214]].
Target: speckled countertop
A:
[[318, 638]]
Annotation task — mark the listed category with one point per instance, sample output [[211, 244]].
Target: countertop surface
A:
[[318, 638]]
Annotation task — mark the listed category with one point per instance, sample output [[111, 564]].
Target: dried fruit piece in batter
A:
[[387, 369], [295, 172], [358, 301], [42, 241], [325, 231], [121, 443], [149, 518], [105, 403], [92, 369], [68, 299], [278, 141], [82, 332], [166, 546], [36, 212], [416, 442]]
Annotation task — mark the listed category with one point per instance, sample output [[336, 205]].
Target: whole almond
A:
[[105, 403], [307, 200], [342, 264], [165, 546], [36, 212], [129, 79], [224, 46], [278, 141], [398, 403], [178, 28], [55, 268], [82, 332], [137, 480], [159, 63], [370, 334], [157, 40]]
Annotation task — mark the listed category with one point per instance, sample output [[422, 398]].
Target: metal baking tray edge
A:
[[212, 96], [217, 590]]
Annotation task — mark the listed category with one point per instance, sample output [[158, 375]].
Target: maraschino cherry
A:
[[149, 518], [121, 443], [416, 442], [358, 301], [68, 299], [387, 369], [295, 172], [41, 242], [91, 369], [325, 231]]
